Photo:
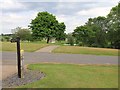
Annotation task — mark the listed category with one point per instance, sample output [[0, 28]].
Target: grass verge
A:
[[86, 50], [75, 76], [26, 46]]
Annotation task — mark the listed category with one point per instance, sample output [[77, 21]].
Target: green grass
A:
[[26, 46], [56, 42], [86, 50], [75, 76]]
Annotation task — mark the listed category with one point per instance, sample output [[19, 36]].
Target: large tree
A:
[[101, 31], [98, 27], [82, 35], [113, 25], [60, 35], [93, 33], [46, 26]]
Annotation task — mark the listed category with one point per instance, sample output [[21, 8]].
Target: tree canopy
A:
[[45, 25], [100, 31], [23, 33], [113, 26]]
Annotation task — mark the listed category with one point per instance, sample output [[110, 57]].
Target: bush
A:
[[7, 38], [70, 40]]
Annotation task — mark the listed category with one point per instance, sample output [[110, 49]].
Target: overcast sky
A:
[[20, 12]]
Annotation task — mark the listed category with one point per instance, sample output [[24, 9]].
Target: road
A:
[[9, 58], [9, 62]]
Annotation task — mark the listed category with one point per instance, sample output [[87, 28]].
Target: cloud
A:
[[94, 12], [13, 20], [12, 5], [19, 13], [71, 21]]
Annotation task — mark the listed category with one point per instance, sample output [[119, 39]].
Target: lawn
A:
[[86, 50], [75, 76], [26, 46]]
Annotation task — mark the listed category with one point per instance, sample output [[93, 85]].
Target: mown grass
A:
[[26, 46], [86, 50], [75, 76]]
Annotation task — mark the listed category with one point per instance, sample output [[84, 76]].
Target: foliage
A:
[[5, 37], [46, 26], [24, 34], [82, 35], [100, 31], [60, 35], [70, 39], [113, 25]]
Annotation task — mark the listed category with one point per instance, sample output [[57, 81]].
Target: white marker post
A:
[[22, 63]]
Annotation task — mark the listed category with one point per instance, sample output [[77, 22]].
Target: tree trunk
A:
[[48, 39]]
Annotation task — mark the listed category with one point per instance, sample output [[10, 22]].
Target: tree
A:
[[93, 33], [7, 38], [101, 31], [70, 39], [46, 26], [98, 28], [113, 25], [23, 33], [60, 35], [82, 35]]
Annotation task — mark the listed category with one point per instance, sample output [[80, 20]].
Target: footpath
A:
[[48, 49]]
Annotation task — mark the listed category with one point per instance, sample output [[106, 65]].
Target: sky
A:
[[19, 13]]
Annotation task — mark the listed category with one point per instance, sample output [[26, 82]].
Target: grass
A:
[[86, 50], [56, 42], [75, 76], [26, 46]]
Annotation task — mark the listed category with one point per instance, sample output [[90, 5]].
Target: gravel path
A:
[[29, 77], [48, 48]]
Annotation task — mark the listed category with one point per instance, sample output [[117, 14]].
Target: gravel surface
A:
[[29, 77]]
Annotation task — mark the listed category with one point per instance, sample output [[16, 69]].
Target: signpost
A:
[[18, 55]]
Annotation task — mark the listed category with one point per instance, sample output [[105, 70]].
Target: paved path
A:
[[48, 48], [9, 58]]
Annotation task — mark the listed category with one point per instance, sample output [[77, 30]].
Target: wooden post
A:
[[18, 57]]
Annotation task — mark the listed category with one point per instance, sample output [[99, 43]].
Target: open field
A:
[[33, 46], [86, 50], [26, 46], [75, 76]]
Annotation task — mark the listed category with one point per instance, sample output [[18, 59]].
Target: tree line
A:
[[100, 31], [97, 32]]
